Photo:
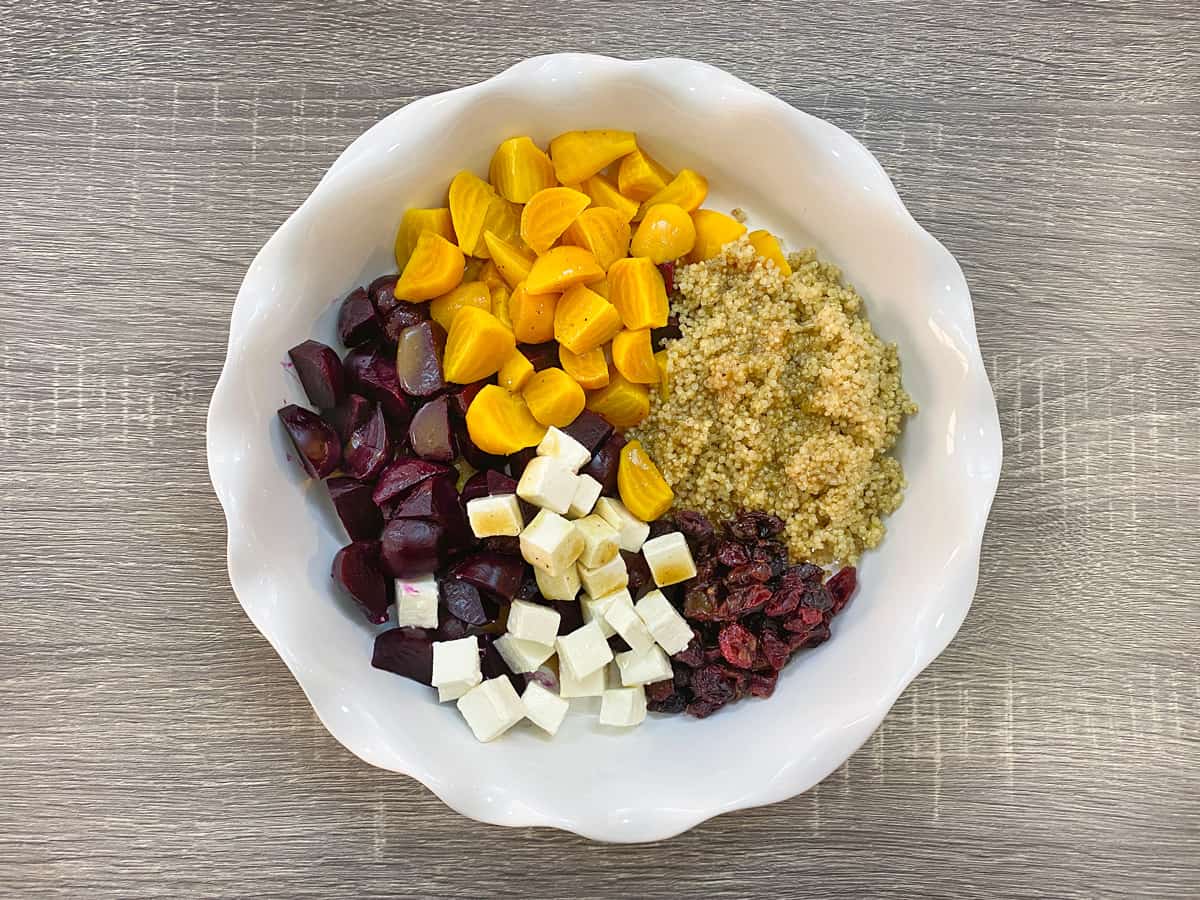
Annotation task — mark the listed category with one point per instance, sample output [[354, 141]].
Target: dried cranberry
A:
[[801, 576], [784, 602], [841, 586], [692, 655], [745, 600], [809, 637], [818, 598], [774, 648], [695, 527], [748, 525], [763, 685], [713, 683], [702, 602], [660, 690], [659, 527], [732, 554], [750, 573], [738, 646], [672, 703], [712, 653], [683, 676], [702, 709]]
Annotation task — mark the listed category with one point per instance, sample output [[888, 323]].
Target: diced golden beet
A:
[[503, 220], [767, 246], [560, 268], [584, 320], [554, 397], [580, 154], [500, 297], [665, 234], [548, 214], [622, 403], [640, 176], [517, 370], [664, 381], [686, 190], [589, 369], [470, 199], [520, 169], [477, 346], [713, 231], [643, 490], [413, 223], [499, 422], [637, 290], [443, 309], [512, 263], [633, 356], [435, 267], [604, 193], [602, 231], [532, 315]]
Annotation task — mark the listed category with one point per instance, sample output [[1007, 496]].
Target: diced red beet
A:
[[669, 332], [542, 356], [504, 544], [358, 512], [570, 614], [435, 499], [618, 644], [405, 472], [465, 395], [604, 462], [315, 440], [357, 322], [320, 371], [738, 646], [475, 487], [495, 573], [356, 569], [499, 483], [419, 359], [429, 433], [841, 586], [372, 373], [411, 547], [353, 411], [667, 270], [405, 315], [589, 429], [519, 460], [463, 601], [467, 447], [382, 292], [451, 629], [492, 664], [641, 582], [405, 654], [369, 448]]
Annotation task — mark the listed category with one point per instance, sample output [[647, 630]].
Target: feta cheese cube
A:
[[499, 514], [558, 587], [600, 542], [669, 559], [570, 686], [544, 709], [522, 656], [587, 492], [584, 650], [491, 708], [417, 602], [561, 446], [644, 668], [533, 622], [551, 543], [669, 628], [547, 483], [612, 576], [454, 691], [625, 621], [456, 662], [631, 531], [593, 609], [623, 707]]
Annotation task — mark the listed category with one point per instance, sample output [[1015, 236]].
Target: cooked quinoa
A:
[[781, 398]]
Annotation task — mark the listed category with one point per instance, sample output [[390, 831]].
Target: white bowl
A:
[[797, 175]]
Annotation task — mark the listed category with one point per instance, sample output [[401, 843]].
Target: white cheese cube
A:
[[612, 576], [533, 622], [544, 709], [456, 662], [558, 587], [644, 668], [547, 483], [631, 531], [499, 514], [417, 602], [522, 656], [454, 691], [623, 707], [570, 686], [587, 492], [593, 609], [669, 559], [561, 446], [584, 650], [551, 543], [669, 628], [625, 621], [491, 708], [600, 542]]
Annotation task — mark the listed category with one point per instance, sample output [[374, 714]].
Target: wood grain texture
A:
[[152, 744]]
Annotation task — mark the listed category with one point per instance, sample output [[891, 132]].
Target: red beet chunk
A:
[[669, 332], [358, 512], [488, 483], [504, 544], [464, 602], [542, 356], [356, 569], [315, 440], [495, 573], [369, 448], [435, 498], [353, 411], [429, 433], [738, 646], [641, 582], [419, 359], [411, 547], [320, 371], [382, 292], [589, 429], [405, 654], [667, 270], [357, 322], [372, 373], [570, 614], [604, 462], [467, 447], [405, 472], [475, 487], [492, 664], [519, 460], [465, 395]]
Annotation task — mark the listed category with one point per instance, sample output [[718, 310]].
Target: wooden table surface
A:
[[151, 743]]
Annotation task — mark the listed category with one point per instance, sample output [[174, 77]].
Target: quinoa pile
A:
[[782, 399]]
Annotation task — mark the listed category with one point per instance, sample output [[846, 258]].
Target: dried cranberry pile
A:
[[750, 612]]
